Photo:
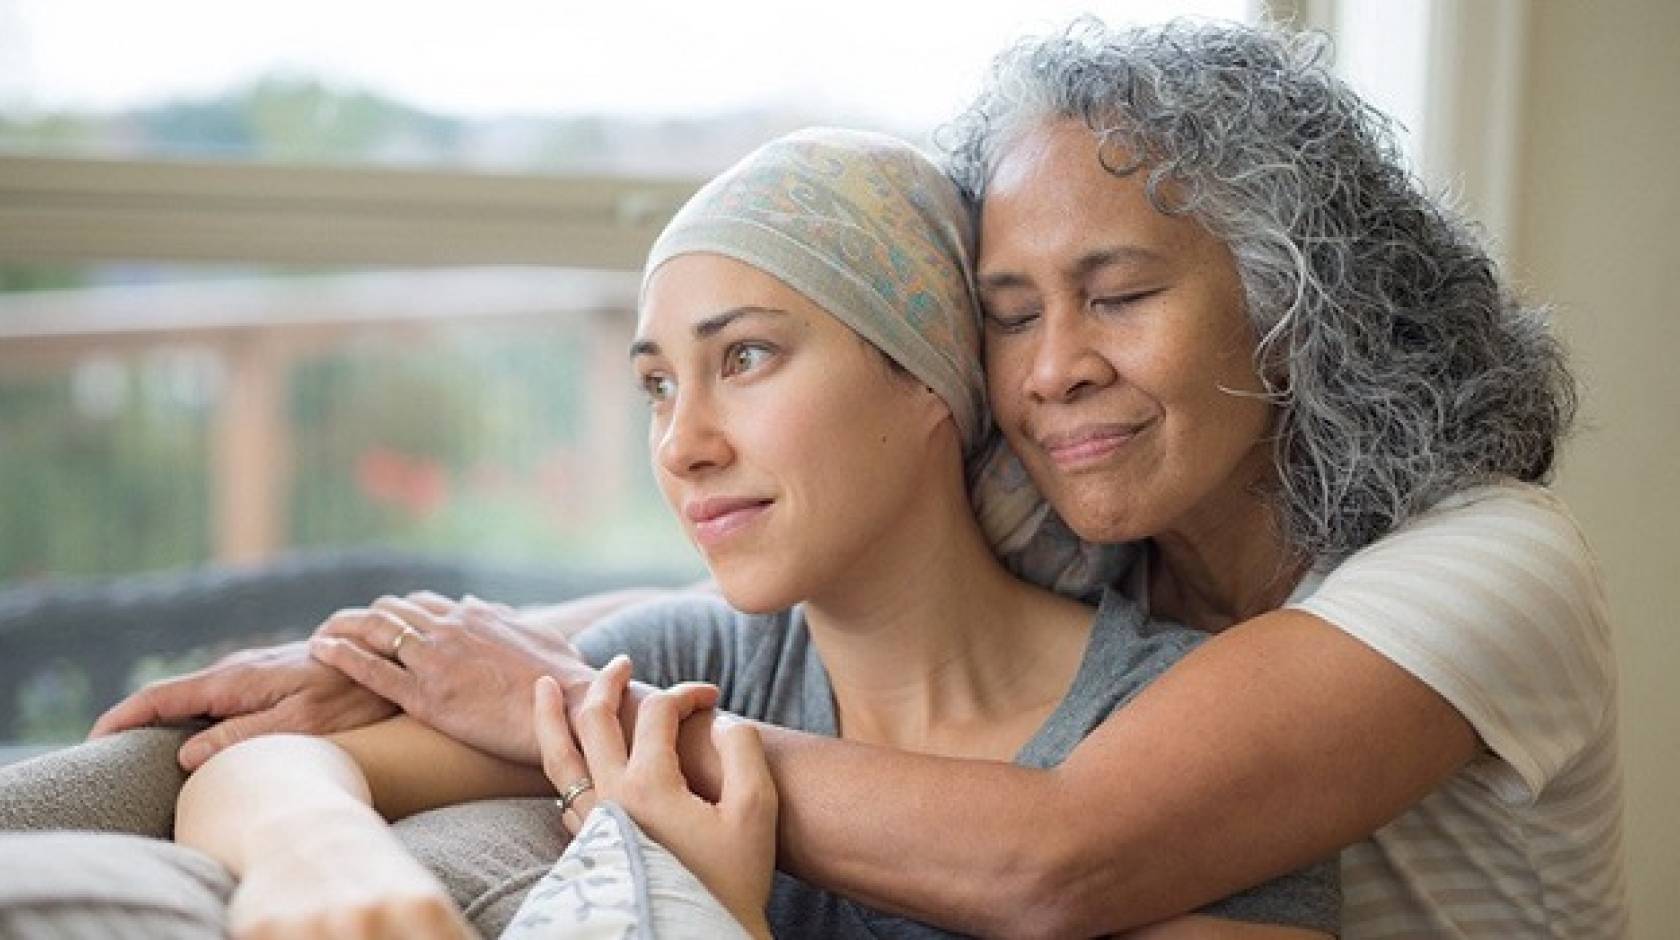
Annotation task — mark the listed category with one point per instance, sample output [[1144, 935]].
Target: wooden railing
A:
[[75, 211], [256, 328]]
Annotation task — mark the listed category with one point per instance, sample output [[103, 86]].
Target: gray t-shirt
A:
[[768, 669]]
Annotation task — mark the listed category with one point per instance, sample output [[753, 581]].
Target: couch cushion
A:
[[76, 885]]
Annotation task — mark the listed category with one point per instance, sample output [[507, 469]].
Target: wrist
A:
[[334, 834]]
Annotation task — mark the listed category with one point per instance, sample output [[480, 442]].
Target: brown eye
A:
[[658, 387], [744, 357]]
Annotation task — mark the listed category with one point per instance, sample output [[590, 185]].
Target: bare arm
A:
[[282, 689], [289, 815], [1270, 747]]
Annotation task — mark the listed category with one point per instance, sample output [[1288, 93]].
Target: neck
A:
[[929, 638], [1225, 562]]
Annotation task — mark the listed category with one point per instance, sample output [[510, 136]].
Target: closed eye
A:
[[1122, 301], [1016, 322]]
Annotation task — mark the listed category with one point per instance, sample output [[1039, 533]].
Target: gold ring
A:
[[569, 795], [397, 641]]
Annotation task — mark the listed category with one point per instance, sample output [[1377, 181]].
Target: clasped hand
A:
[[467, 670], [729, 844]]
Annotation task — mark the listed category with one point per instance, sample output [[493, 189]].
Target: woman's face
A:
[[1115, 338], [783, 443]]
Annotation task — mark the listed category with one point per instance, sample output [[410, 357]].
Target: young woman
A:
[[810, 351]]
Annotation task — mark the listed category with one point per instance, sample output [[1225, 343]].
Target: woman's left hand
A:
[[729, 845], [354, 882]]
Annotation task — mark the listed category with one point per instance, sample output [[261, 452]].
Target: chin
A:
[[754, 594], [1101, 520]]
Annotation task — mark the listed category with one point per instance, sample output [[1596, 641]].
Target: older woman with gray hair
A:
[[1222, 318], [1224, 324]]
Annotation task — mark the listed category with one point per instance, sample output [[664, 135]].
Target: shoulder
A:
[[1493, 599], [1508, 555], [1512, 522], [684, 637]]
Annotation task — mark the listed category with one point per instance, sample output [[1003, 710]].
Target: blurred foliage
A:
[[20, 277], [468, 443], [113, 482], [54, 705]]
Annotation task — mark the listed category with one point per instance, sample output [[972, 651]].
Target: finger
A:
[[141, 708], [187, 696], [694, 697], [379, 675], [434, 603], [562, 763], [373, 628], [748, 788], [225, 734], [412, 614], [473, 602], [661, 714], [653, 753], [598, 727]]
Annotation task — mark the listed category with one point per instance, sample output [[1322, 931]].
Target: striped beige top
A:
[[1494, 599]]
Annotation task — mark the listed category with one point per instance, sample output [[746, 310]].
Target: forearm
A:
[[289, 815], [1250, 759], [392, 769], [262, 796], [409, 768], [963, 844]]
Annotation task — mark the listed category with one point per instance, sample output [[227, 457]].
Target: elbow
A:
[[1049, 894]]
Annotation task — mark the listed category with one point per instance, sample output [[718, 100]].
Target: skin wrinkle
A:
[[1403, 369]]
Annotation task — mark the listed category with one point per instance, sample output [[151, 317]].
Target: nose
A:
[[692, 441], [1066, 362]]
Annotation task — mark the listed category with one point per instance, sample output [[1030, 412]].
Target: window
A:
[[283, 279]]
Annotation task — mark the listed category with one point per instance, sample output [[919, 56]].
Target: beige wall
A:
[[1598, 234]]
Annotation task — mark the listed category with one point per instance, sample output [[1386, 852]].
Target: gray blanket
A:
[[84, 850]]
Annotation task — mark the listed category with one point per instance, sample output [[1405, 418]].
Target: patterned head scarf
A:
[[873, 232]]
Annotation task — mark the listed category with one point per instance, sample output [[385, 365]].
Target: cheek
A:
[[1002, 381]]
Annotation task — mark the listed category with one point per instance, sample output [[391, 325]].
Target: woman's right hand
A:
[[729, 845], [354, 882], [270, 690], [464, 668]]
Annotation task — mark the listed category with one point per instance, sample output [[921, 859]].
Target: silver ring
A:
[[402, 635], [569, 795]]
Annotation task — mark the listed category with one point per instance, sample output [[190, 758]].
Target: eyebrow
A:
[[709, 327], [1084, 265]]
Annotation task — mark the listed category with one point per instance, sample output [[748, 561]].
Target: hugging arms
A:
[[1246, 371]]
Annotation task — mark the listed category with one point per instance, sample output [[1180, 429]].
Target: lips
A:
[[1089, 443], [717, 518]]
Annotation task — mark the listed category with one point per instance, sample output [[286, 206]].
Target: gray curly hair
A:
[[1402, 368]]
